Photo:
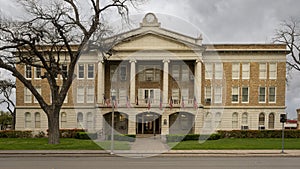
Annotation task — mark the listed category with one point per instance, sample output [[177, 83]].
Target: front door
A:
[[148, 123]]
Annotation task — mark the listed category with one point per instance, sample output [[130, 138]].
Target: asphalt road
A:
[[149, 163]]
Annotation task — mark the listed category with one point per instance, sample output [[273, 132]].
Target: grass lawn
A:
[[237, 144], [65, 144]]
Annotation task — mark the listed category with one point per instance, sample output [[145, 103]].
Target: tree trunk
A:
[[53, 128]]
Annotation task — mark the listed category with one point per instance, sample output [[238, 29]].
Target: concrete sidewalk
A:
[[131, 153]]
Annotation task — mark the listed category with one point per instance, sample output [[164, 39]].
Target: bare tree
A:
[[289, 34], [56, 30], [6, 90]]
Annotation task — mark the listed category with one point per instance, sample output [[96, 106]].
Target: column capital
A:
[[132, 61], [199, 60], [166, 61]]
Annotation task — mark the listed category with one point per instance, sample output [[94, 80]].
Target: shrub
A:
[[180, 137], [68, 133], [15, 134], [259, 134], [86, 136]]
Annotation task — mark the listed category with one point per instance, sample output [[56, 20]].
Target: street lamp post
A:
[[113, 98]]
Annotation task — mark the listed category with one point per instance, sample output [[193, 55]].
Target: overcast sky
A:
[[222, 21]]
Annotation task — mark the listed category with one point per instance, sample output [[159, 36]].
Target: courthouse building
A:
[[166, 83]]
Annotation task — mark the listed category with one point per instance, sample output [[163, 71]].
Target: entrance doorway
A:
[[148, 123]]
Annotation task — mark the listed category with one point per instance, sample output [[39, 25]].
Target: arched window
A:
[[271, 121], [63, 120], [37, 120], [79, 120], [235, 120], [208, 120], [245, 118], [218, 119], [27, 120], [89, 121], [261, 119]]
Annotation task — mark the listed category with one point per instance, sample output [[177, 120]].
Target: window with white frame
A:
[[37, 72], [218, 70], [218, 94], [123, 72], [39, 90], [28, 72], [90, 94], [272, 94], [80, 71], [63, 121], [208, 94], [185, 73], [64, 69], [80, 94], [185, 95], [246, 71], [27, 95], [37, 120], [262, 95], [91, 71], [261, 119], [245, 118], [271, 121], [235, 70], [235, 95], [245, 94], [175, 71], [235, 120], [80, 120], [262, 71], [208, 70], [272, 71], [175, 96], [149, 73]]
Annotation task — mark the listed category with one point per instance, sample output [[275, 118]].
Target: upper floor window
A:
[[148, 73], [185, 73], [208, 70], [113, 74], [27, 95], [218, 70], [235, 70], [80, 94], [64, 69], [246, 70], [208, 94], [175, 71], [245, 94], [262, 95], [90, 94], [218, 94], [262, 71], [175, 96], [39, 90], [272, 71], [123, 72], [80, 71], [272, 94], [37, 73], [235, 95], [91, 71], [28, 72]]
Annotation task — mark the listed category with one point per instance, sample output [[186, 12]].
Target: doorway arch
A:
[[148, 123], [181, 123], [120, 122]]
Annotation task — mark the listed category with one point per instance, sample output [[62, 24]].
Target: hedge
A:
[[259, 134], [68, 133], [86, 136], [15, 134], [123, 137], [180, 137]]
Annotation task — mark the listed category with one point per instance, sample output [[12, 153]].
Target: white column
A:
[[132, 80], [165, 81], [197, 81], [101, 82]]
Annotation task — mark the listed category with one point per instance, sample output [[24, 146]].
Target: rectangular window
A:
[[27, 95], [218, 94], [235, 95], [246, 71], [208, 94], [113, 73], [175, 96], [37, 73], [185, 73], [90, 71], [80, 94], [90, 93], [208, 71], [28, 71], [122, 96], [245, 95], [219, 71], [175, 71], [185, 96], [262, 71], [235, 71], [262, 95], [80, 71], [149, 74], [39, 90], [272, 95], [123, 72], [272, 71]]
